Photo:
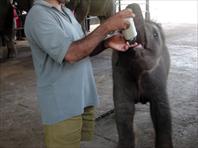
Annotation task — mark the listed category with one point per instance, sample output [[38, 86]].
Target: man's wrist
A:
[[105, 44]]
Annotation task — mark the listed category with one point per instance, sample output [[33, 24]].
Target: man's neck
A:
[[55, 3]]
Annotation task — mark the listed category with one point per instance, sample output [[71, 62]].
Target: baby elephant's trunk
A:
[[139, 23]]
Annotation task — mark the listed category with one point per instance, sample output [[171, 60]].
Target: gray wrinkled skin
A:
[[140, 76]]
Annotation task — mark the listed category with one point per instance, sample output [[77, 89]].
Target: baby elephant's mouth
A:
[[135, 49], [139, 46]]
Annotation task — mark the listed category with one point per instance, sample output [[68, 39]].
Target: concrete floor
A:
[[20, 125]]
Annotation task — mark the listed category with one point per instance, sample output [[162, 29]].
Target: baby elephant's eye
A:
[[155, 35]]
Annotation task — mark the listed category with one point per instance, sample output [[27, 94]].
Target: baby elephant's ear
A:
[[139, 23]]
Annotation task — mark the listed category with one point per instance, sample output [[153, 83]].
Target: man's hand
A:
[[118, 21], [117, 42]]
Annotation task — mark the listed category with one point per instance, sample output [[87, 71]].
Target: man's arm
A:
[[82, 48], [99, 48]]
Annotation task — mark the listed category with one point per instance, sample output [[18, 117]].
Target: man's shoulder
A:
[[36, 14], [37, 10]]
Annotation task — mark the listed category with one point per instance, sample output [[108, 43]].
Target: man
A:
[[65, 83]]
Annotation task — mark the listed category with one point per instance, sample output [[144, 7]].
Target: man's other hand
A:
[[117, 42]]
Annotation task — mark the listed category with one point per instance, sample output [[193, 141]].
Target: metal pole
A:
[[147, 13], [119, 3]]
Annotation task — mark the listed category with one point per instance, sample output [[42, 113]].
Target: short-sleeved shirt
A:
[[64, 89]]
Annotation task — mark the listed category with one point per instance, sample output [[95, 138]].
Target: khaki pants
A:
[[69, 133]]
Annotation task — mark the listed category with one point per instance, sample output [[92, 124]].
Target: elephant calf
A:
[[140, 75]]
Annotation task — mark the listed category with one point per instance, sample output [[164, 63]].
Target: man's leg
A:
[[88, 125], [65, 134]]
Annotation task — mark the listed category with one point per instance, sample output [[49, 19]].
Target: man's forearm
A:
[[99, 48], [84, 47]]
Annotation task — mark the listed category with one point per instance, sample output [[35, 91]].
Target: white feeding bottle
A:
[[130, 33]]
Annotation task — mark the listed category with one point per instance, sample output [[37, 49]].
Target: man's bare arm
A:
[[82, 48]]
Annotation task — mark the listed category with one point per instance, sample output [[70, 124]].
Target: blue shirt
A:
[[64, 89]]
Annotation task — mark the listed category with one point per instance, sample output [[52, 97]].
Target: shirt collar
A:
[[43, 2]]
